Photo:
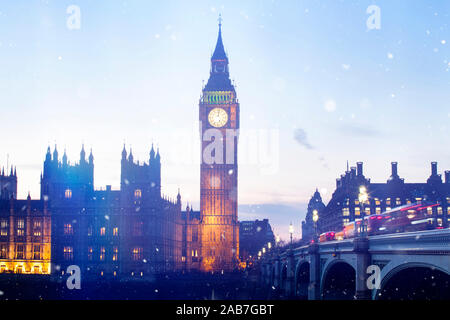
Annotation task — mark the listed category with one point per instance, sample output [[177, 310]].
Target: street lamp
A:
[[264, 249], [269, 245], [363, 196], [315, 218], [291, 231]]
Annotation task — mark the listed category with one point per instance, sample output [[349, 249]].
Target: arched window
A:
[[137, 193], [68, 194]]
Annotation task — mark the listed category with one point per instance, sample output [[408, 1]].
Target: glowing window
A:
[[137, 193], [20, 227], [102, 231], [4, 251], [345, 211], [37, 230], [68, 229], [90, 252], [137, 253], [37, 252], [102, 253], [68, 253], [115, 253], [68, 194], [439, 210], [4, 228], [357, 211], [115, 231]]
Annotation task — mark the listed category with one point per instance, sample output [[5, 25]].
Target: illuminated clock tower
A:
[[219, 124]]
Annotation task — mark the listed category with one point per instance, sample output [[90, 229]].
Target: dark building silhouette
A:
[[8, 184], [344, 205], [131, 232], [308, 224], [253, 236]]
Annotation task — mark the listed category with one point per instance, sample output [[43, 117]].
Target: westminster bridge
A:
[[396, 266]]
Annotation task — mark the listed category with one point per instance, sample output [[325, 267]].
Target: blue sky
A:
[[309, 74]]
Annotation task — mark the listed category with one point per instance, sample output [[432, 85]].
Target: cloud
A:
[[358, 130], [302, 138]]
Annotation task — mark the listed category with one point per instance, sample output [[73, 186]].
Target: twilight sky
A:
[[316, 87]]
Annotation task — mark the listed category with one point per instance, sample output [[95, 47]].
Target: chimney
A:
[[359, 168], [447, 176], [353, 172], [434, 168], [394, 169]]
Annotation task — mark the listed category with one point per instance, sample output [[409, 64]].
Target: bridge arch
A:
[[414, 281], [338, 281], [302, 279]]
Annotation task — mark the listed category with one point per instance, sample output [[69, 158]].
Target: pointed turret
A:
[[48, 156], [219, 51], [152, 153], [91, 158], [82, 154], [64, 158], [179, 197], [124, 152], [55, 154], [219, 79], [130, 157]]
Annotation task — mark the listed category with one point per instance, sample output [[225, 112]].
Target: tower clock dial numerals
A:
[[217, 117]]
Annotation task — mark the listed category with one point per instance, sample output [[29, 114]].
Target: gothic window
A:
[[68, 194], [138, 227], [3, 251], [137, 193], [68, 253], [20, 251], [137, 253], [4, 227], [20, 227], [102, 253], [36, 252], [115, 253], [102, 231], [37, 228], [115, 231], [68, 229]]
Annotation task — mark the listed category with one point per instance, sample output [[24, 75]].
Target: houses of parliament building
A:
[[134, 231]]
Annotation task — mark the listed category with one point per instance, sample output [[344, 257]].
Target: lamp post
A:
[[363, 196], [291, 231], [315, 218]]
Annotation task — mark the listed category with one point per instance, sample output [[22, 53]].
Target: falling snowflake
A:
[[330, 105], [390, 55]]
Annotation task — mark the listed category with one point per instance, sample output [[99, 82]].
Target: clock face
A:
[[217, 117]]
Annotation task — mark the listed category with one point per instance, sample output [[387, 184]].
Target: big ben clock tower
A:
[[219, 124]]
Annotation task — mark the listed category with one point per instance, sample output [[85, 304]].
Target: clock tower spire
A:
[[219, 123]]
